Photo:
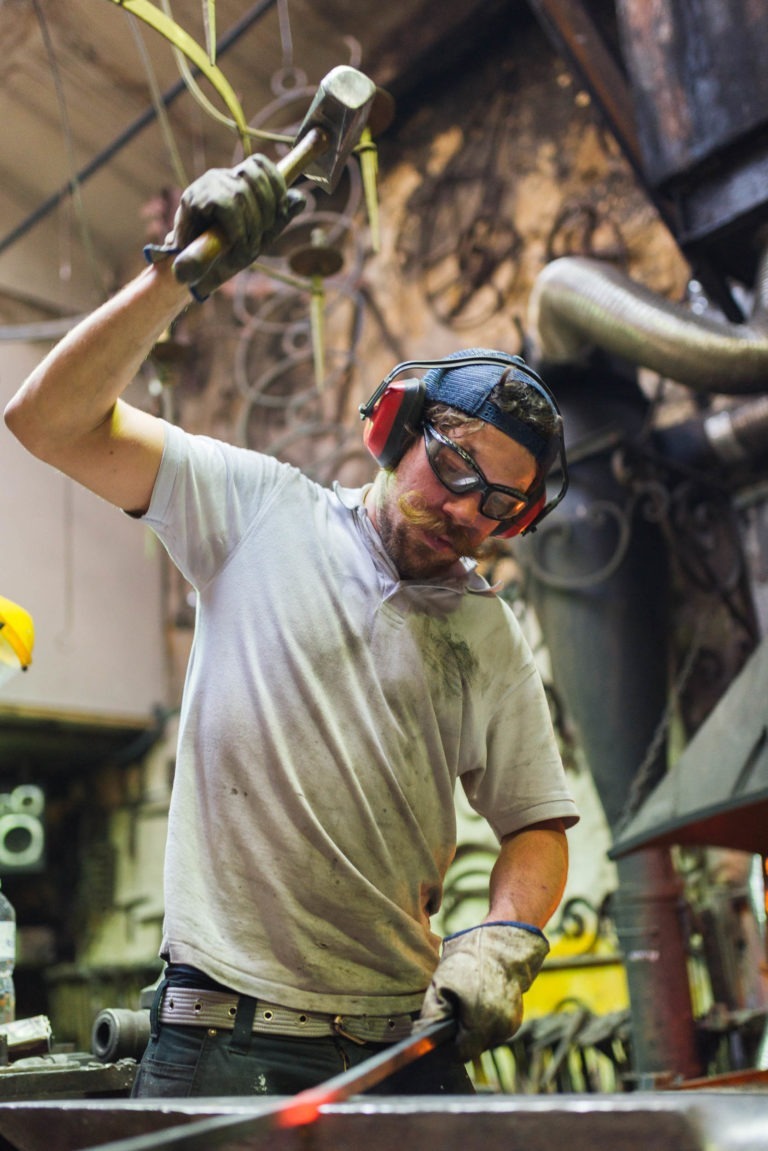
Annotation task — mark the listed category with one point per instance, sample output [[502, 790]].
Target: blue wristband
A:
[[498, 923]]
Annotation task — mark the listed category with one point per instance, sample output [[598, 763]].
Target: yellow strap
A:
[[176, 35]]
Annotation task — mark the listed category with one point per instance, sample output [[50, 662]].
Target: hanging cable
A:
[[286, 36], [77, 200], [157, 103], [288, 77]]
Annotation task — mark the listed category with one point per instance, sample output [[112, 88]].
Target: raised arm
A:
[[68, 412]]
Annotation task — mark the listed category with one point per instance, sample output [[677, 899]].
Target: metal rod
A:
[[298, 1110], [166, 99]]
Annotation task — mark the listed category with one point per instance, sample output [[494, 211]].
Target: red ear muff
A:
[[392, 419], [522, 522]]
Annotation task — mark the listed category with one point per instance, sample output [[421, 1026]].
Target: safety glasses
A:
[[458, 472]]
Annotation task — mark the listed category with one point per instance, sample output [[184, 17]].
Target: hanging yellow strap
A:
[[317, 325], [209, 20], [369, 169], [176, 35]]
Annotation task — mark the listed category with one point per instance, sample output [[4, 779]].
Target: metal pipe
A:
[[648, 910], [735, 437], [579, 303], [166, 99], [118, 1033]]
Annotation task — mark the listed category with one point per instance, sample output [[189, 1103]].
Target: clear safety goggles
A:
[[458, 472]]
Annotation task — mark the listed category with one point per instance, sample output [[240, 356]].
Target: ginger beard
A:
[[409, 550]]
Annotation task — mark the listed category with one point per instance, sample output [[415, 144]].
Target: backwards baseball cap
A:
[[468, 386]]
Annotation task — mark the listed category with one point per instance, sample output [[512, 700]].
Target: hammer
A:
[[330, 130]]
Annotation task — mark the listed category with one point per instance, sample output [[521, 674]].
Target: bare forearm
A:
[[75, 387], [484, 972], [528, 878], [68, 412]]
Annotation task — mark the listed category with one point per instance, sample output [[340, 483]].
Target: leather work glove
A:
[[480, 979], [248, 205]]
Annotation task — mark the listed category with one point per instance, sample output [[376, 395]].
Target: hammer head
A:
[[340, 110]]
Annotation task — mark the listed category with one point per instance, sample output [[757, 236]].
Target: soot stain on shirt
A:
[[448, 655]]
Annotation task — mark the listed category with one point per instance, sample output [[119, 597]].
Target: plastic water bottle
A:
[[7, 959]]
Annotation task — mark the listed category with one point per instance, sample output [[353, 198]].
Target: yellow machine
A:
[[595, 980], [17, 638]]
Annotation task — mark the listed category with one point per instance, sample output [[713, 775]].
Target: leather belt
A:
[[217, 1009]]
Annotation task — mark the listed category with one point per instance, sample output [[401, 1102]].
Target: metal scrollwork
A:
[[599, 515], [581, 921], [284, 411], [580, 229], [466, 881], [457, 236], [653, 500], [705, 540]]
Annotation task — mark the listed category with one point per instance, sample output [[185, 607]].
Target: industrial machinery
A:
[[649, 586]]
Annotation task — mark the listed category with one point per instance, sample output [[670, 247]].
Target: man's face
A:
[[425, 527]]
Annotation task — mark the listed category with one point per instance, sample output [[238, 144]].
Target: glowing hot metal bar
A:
[[297, 1111]]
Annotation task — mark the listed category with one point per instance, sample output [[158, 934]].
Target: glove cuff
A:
[[155, 253], [498, 923]]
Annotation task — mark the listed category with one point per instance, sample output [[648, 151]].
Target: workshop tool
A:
[[328, 134], [297, 1111]]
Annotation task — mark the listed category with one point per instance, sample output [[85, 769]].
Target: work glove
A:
[[480, 980], [248, 205]]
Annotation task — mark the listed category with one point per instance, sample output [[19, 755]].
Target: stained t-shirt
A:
[[329, 710]]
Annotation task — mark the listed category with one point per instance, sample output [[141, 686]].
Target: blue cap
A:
[[468, 386]]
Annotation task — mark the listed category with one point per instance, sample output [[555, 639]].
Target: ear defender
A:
[[523, 523], [391, 417]]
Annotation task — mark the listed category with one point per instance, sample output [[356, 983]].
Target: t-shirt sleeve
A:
[[206, 497], [522, 779]]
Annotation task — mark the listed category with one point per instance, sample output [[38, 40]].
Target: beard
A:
[[412, 556]]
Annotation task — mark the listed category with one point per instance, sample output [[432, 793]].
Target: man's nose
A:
[[462, 510]]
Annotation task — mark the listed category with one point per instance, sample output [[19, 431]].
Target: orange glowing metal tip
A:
[[298, 1111], [303, 1109]]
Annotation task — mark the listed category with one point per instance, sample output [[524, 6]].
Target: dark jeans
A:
[[181, 1062]]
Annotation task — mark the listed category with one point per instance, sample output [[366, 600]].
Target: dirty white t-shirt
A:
[[329, 709]]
